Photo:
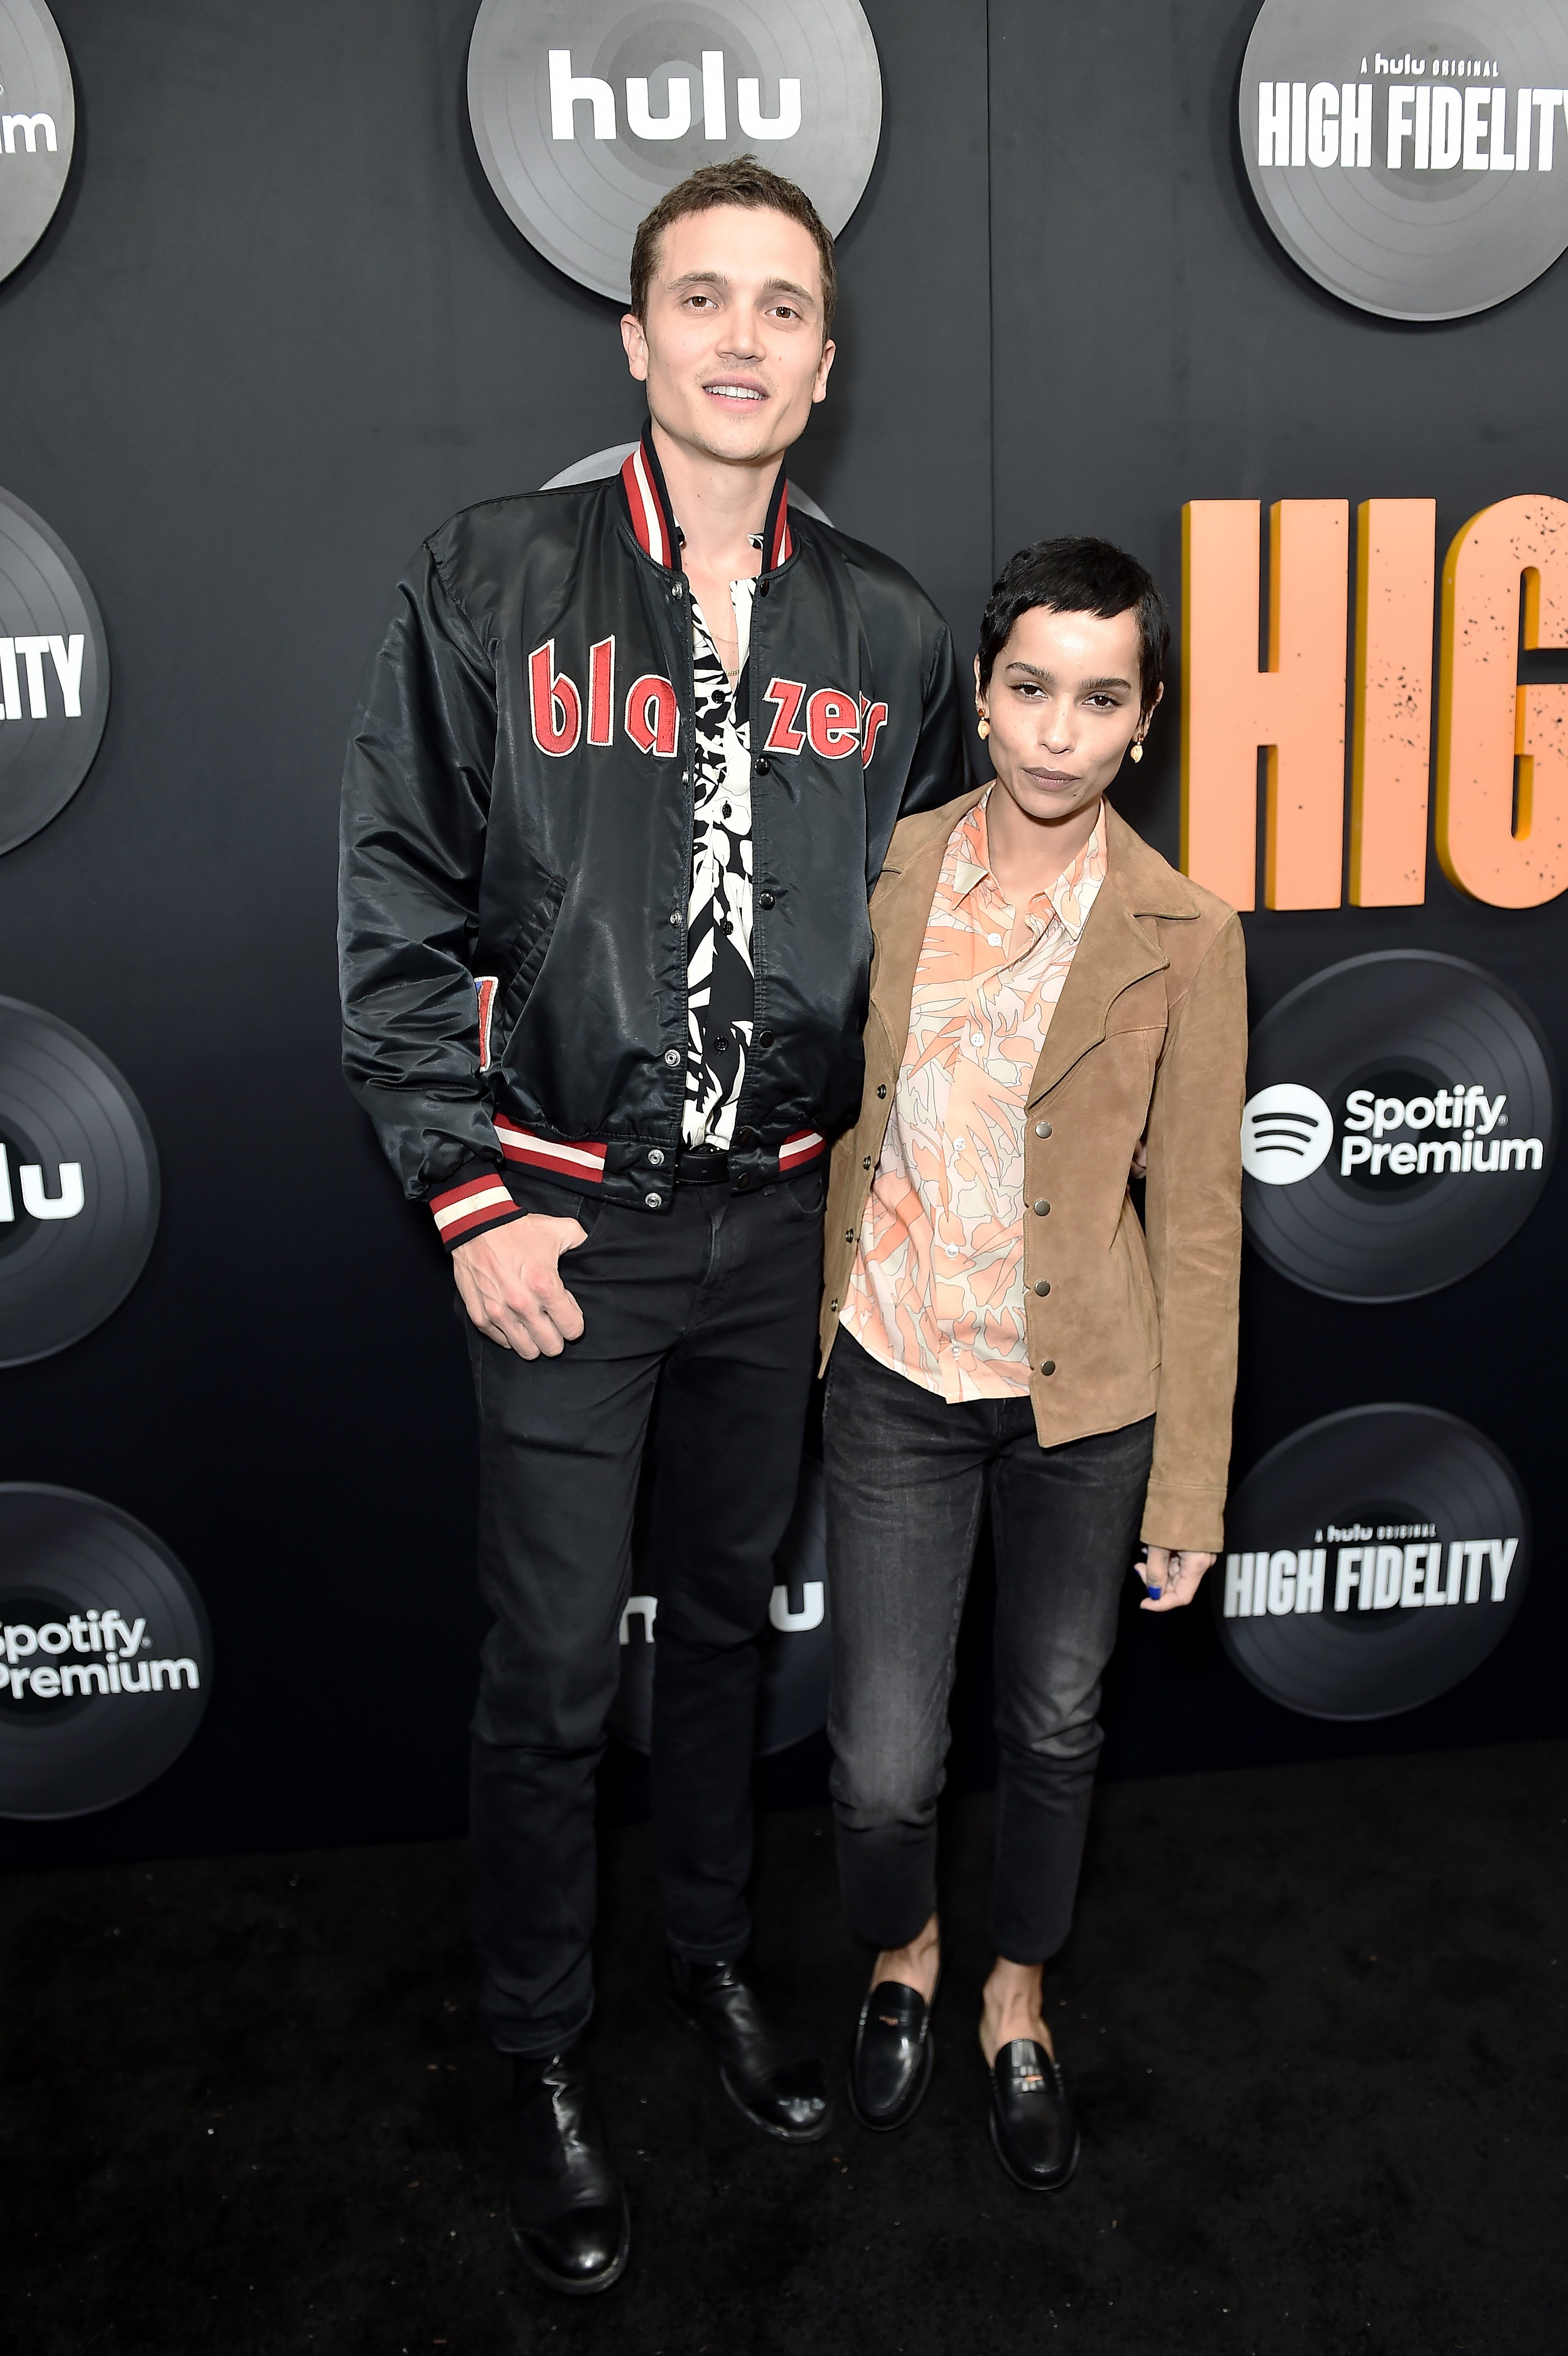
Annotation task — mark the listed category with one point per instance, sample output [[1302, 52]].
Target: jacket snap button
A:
[[741, 1183], [1041, 1207], [678, 588], [1048, 1366], [848, 1234], [1042, 1129], [764, 1038], [881, 1092], [675, 915], [746, 1137], [833, 1304], [652, 1200], [672, 1056], [763, 587], [656, 1159], [867, 1162], [765, 769], [1043, 1287], [765, 899]]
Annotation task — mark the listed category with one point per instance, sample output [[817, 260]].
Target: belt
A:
[[701, 1165]]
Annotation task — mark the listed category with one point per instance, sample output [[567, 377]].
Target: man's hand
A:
[[1172, 1576], [511, 1285]]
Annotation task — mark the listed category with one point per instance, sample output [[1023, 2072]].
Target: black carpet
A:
[[1314, 2017]]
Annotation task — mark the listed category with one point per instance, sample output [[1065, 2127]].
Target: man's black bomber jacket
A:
[[517, 842]]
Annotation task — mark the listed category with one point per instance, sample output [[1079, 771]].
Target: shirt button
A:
[[1042, 1129], [656, 1159], [1041, 1207], [995, 939], [672, 1056], [653, 1201], [765, 769], [765, 899], [1048, 1366], [1043, 1287]]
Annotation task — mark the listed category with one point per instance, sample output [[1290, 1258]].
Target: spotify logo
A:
[[105, 1659], [37, 126], [1398, 1126]]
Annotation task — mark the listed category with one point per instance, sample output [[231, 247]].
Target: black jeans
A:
[[718, 1298], [908, 1476]]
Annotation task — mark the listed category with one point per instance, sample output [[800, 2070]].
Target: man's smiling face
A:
[[733, 351]]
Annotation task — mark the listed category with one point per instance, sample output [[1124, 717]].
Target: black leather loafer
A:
[[1032, 2124], [565, 2203], [767, 2069], [894, 2051]]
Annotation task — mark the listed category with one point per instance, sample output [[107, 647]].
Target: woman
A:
[[1049, 1001]]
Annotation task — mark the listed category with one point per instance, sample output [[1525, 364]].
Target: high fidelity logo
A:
[[54, 674], [1400, 1588], [584, 111], [37, 126], [105, 1658], [1397, 1129], [78, 1186], [1413, 163]]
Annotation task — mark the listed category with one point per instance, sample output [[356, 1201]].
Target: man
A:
[[626, 765]]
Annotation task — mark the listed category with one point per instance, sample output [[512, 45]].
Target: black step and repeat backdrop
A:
[[1271, 296]]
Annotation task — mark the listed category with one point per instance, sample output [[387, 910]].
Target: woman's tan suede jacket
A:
[[1149, 1040]]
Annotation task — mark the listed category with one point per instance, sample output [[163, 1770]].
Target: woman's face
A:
[[1063, 704]]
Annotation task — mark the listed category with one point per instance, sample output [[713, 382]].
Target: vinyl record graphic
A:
[[1440, 1093], [585, 111], [78, 1186], [54, 670], [105, 1657], [1372, 1559], [1413, 160], [794, 1699], [37, 126]]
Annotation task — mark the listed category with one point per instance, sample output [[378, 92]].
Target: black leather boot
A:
[[1033, 2124], [894, 2051], [565, 2203], [767, 2069]]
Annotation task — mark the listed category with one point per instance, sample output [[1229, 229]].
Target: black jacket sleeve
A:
[[943, 765], [416, 793]]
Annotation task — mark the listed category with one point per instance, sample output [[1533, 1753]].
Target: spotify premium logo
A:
[[793, 1702], [78, 1186], [1373, 1559], [37, 126], [585, 111], [54, 671], [105, 1659], [1413, 160], [1397, 1129]]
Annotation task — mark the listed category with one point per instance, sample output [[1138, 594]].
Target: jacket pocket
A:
[[530, 945]]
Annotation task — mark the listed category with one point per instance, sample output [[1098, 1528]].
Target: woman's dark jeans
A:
[[908, 1478]]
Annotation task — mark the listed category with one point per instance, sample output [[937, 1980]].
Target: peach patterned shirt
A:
[[937, 1288]]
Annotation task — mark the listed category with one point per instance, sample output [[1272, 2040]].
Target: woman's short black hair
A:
[[1079, 576]]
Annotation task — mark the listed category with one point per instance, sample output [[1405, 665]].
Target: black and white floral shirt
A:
[[721, 991]]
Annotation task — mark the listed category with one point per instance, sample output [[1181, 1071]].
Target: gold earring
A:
[[982, 726], [1135, 749]]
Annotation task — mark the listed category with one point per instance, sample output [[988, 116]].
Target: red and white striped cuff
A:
[[797, 1150], [463, 1212], [582, 1159]]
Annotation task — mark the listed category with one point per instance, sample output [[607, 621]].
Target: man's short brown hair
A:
[[743, 181]]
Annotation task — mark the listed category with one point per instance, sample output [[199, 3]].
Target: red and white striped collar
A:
[[653, 519]]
